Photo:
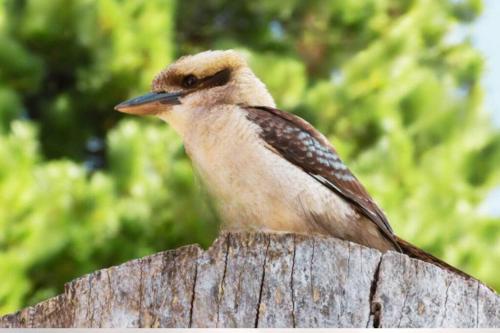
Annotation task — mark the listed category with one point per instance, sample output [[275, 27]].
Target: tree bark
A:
[[268, 280]]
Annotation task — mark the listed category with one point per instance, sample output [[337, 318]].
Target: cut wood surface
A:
[[268, 280]]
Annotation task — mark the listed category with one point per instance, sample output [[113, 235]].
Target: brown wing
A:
[[301, 144]]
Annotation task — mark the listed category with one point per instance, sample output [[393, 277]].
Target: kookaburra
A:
[[268, 170]]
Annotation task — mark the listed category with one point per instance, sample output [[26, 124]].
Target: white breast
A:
[[255, 188]]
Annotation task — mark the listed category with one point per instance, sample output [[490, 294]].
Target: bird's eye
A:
[[189, 81]]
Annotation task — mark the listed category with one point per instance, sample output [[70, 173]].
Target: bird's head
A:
[[200, 81]]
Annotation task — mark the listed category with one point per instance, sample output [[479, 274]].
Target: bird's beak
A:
[[150, 103]]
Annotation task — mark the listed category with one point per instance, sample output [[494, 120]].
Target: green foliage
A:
[[81, 188]]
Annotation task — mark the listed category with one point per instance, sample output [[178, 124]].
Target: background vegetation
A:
[[83, 187]]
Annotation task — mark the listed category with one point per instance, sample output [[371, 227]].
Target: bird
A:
[[268, 170]]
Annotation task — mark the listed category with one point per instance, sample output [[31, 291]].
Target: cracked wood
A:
[[268, 280]]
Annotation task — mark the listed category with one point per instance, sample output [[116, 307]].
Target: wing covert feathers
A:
[[302, 145]]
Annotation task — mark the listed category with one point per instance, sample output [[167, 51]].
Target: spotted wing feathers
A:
[[301, 144]]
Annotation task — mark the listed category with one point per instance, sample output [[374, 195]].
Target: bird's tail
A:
[[417, 253]]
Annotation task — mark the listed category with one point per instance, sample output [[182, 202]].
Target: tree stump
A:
[[268, 280]]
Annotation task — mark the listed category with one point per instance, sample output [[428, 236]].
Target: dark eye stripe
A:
[[191, 83], [218, 79]]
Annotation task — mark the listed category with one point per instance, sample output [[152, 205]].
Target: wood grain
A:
[[268, 280]]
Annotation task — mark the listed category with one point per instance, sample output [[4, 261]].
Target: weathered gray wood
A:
[[277, 306], [268, 280], [332, 280], [152, 292], [241, 285], [414, 293], [208, 289]]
